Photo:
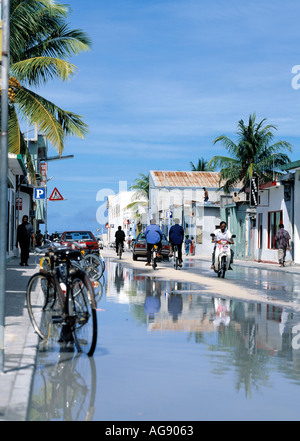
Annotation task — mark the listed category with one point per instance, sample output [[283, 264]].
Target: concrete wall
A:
[[274, 202]]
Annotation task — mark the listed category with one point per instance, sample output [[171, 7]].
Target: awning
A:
[[16, 164]]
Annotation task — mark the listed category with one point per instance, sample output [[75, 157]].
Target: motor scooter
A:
[[222, 256]]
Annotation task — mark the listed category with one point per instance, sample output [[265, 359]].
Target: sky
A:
[[162, 80]]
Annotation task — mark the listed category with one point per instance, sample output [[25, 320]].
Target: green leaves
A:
[[41, 69], [41, 45], [51, 120], [253, 154]]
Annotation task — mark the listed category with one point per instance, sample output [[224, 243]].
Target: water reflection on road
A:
[[167, 351]]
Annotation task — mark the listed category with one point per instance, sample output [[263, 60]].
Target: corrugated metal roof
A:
[[291, 165], [185, 179]]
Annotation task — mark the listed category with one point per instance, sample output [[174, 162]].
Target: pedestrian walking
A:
[[187, 244], [24, 234], [282, 238], [39, 238], [193, 246]]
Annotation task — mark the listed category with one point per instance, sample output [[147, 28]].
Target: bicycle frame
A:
[[175, 254], [153, 256]]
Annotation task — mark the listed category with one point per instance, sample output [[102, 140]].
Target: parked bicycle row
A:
[[61, 298]]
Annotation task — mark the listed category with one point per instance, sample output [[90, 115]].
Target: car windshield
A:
[[78, 235]]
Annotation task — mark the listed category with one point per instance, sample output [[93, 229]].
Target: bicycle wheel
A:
[[176, 262], [120, 251], [92, 265], [82, 311], [154, 264], [43, 307], [102, 262]]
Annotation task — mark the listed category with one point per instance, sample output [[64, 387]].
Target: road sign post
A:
[[254, 191]]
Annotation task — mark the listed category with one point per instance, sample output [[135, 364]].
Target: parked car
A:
[[100, 242], [140, 247], [86, 239]]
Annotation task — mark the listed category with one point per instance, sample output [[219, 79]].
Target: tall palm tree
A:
[[202, 165], [40, 47], [141, 185], [253, 154]]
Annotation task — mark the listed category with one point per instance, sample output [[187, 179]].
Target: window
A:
[[274, 219]]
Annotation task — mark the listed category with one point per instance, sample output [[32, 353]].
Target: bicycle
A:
[[92, 264], [120, 250], [61, 302]]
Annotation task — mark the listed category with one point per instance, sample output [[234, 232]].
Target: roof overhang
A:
[[16, 164], [291, 166]]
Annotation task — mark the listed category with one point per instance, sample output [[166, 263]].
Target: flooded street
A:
[[167, 351]]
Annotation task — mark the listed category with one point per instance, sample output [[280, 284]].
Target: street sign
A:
[[56, 196], [169, 214], [39, 193], [19, 204], [254, 192]]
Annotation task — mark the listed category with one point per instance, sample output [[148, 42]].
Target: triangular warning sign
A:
[[56, 196]]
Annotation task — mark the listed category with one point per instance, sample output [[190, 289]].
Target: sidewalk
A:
[[292, 269], [20, 344]]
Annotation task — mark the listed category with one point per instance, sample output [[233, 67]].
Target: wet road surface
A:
[[168, 352]]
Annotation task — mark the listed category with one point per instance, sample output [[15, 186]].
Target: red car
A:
[[86, 239]]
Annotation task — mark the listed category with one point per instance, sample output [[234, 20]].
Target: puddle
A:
[[169, 352]]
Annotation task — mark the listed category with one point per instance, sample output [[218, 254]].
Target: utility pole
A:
[[4, 82]]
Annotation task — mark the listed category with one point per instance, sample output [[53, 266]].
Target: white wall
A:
[[275, 203], [297, 218]]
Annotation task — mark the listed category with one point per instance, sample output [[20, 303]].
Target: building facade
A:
[[181, 195]]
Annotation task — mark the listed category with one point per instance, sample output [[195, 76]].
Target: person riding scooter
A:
[[222, 234]]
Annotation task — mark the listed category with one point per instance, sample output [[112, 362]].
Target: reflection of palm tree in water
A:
[[69, 389]]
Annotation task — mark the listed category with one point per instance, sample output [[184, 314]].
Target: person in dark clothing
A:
[[39, 238], [282, 238], [120, 237], [24, 234], [176, 236]]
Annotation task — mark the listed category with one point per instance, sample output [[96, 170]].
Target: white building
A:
[[16, 171], [270, 212], [180, 194], [279, 202], [132, 219], [292, 195]]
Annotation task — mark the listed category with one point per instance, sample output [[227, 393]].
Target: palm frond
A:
[[41, 69]]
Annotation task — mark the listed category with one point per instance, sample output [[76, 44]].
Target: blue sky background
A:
[[163, 79]]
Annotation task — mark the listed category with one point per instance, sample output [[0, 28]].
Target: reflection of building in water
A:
[[260, 326], [120, 284]]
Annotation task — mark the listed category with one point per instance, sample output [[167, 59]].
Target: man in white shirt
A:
[[222, 234]]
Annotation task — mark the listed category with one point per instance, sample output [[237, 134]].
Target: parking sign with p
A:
[[39, 193]]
